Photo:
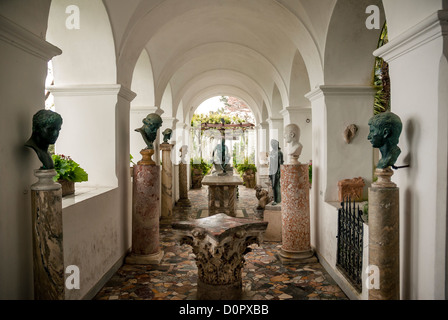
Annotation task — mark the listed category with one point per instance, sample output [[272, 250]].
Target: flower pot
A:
[[68, 187]]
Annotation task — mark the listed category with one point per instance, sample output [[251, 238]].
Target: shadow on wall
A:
[[410, 220]]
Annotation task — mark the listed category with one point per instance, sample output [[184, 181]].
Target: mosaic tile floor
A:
[[264, 277]]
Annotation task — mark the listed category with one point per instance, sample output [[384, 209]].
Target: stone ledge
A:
[[84, 193]]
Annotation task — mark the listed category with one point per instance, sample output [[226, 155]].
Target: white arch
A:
[[143, 82], [214, 91], [222, 78], [88, 53]]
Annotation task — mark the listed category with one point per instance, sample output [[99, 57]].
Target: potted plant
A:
[[247, 172], [199, 168], [68, 172]]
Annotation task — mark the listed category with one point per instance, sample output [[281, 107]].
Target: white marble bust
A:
[[292, 137], [183, 152]]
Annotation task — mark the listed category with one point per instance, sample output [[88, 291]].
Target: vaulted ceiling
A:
[[250, 48]]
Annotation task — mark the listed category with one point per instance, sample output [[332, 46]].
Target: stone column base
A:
[[154, 258], [288, 257], [231, 291], [183, 203]]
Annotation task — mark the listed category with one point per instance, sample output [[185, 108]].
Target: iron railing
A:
[[350, 243]]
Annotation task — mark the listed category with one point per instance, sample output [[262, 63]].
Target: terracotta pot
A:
[[68, 187]]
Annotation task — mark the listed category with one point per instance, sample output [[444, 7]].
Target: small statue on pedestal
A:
[[46, 127], [292, 137], [167, 135], [183, 153], [151, 124], [275, 161]]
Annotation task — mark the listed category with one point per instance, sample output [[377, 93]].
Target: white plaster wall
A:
[[88, 133], [16, 166], [22, 81], [423, 185], [403, 14]]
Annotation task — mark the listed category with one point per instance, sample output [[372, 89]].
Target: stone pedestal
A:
[[219, 186], [273, 216], [167, 183], [296, 242], [220, 243], [145, 216], [384, 246], [48, 256], [183, 186]]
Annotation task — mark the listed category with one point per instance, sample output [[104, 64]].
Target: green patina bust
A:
[[151, 124], [167, 135], [46, 127], [385, 130]]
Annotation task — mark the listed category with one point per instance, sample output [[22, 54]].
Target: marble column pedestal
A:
[[145, 216], [384, 246], [167, 183], [183, 186], [220, 243], [48, 255], [296, 242]]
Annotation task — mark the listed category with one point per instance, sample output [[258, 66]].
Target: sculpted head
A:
[[275, 144], [292, 133], [167, 135], [385, 128], [46, 127], [151, 124]]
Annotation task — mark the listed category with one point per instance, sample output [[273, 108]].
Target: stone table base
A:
[[220, 243], [219, 187]]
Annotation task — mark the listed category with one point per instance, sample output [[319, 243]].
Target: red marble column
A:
[[145, 215], [294, 184]]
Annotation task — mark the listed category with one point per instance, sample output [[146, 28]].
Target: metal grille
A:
[[350, 243]]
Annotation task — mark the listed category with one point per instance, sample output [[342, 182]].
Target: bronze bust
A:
[[46, 127], [151, 124], [385, 130]]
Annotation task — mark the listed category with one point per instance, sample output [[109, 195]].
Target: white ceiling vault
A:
[[252, 49]]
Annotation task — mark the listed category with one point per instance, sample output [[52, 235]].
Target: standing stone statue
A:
[[275, 161], [151, 124], [292, 137], [385, 130], [46, 127], [167, 135], [221, 157]]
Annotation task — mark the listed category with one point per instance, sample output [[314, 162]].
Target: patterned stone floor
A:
[[265, 278]]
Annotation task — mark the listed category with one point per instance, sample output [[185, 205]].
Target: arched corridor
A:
[[308, 63]]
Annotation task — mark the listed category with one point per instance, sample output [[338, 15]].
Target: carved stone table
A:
[[220, 243], [218, 187]]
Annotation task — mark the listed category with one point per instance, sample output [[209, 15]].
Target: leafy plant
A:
[[310, 172], [67, 169], [130, 159], [199, 163], [381, 79], [243, 167]]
